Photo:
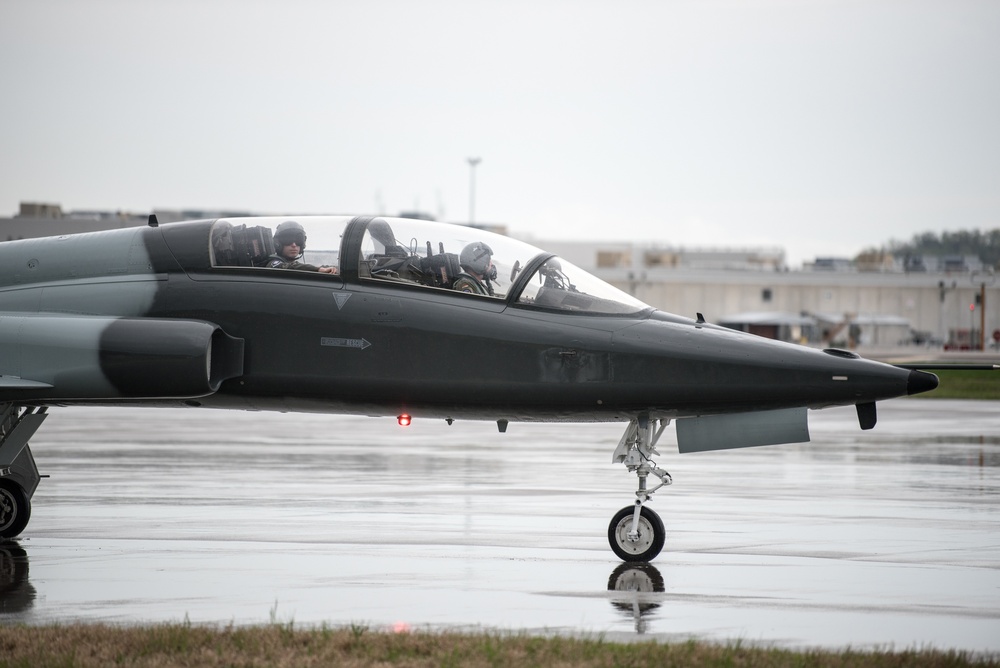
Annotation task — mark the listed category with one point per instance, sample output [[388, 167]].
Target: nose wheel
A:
[[636, 533], [647, 540]]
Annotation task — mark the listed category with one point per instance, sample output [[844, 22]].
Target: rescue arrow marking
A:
[[361, 344]]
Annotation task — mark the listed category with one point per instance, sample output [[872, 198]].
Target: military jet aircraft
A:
[[407, 318]]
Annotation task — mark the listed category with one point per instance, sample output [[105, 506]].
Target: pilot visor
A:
[[297, 238]]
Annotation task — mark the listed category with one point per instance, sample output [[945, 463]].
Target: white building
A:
[[886, 305]]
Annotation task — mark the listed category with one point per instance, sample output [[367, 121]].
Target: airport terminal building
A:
[[931, 302]]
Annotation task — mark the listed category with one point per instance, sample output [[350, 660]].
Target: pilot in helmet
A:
[[478, 270], [289, 245]]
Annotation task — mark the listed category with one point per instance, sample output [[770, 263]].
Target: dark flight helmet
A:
[[476, 258], [288, 232]]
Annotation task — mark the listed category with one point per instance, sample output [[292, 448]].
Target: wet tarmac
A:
[[888, 538]]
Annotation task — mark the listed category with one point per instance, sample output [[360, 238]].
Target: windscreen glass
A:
[[563, 286]]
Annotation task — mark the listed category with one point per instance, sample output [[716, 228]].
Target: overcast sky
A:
[[820, 126]]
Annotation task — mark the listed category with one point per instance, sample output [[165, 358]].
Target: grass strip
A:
[[280, 645], [966, 385]]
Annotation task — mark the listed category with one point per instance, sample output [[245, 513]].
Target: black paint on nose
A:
[[921, 381]]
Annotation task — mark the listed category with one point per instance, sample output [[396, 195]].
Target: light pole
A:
[[983, 278], [942, 291], [472, 188]]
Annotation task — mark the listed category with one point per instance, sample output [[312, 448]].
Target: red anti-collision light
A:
[[404, 420]]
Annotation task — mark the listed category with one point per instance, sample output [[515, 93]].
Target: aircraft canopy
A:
[[426, 254]]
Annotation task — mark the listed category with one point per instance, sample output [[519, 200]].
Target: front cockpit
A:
[[420, 254]]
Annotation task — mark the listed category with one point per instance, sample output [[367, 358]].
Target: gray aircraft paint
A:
[[747, 430], [185, 315], [608, 367]]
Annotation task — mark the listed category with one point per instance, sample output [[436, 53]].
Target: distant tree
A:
[[984, 245], [873, 260]]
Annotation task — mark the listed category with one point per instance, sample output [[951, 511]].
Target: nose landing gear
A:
[[636, 533]]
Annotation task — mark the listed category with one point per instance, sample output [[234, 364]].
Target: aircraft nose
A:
[[920, 381]]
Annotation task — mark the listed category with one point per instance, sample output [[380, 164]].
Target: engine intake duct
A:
[[147, 357], [66, 357]]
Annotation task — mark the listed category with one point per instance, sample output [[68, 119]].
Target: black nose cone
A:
[[921, 381]]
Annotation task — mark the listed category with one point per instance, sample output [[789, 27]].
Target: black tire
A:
[[15, 509], [651, 535]]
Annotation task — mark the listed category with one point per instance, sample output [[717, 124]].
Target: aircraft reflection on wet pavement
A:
[[402, 318], [638, 591], [635, 589], [16, 593]]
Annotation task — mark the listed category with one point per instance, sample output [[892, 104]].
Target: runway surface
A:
[[888, 538]]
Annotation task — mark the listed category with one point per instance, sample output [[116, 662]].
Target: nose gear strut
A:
[[636, 532]]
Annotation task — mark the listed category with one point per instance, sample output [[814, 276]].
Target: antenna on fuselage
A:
[[153, 222]]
